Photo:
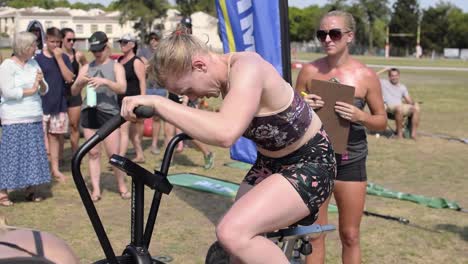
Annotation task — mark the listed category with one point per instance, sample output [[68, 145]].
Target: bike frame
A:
[[137, 251]]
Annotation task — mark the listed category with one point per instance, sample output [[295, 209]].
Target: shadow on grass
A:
[[462, 231], [211, 205], [43, 191]]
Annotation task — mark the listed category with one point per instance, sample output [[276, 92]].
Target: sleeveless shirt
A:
[[106, 98], [357, 140], [133, 83]]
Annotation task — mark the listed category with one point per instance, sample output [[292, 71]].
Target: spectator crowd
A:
[[42, 105]]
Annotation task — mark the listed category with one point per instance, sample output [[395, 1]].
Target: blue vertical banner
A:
[[250, 25]]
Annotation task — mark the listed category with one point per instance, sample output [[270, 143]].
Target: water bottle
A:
[[90, 96]]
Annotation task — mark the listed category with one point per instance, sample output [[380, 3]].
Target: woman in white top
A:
[[23, 155]]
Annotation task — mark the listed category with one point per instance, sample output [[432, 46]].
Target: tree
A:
[[458, 29], [188, 7], [49, 4], [405, 19], [142, 11], [373, 10], [434, 25], [304, 22]]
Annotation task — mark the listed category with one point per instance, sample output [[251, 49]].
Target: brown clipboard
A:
[[336, 127]]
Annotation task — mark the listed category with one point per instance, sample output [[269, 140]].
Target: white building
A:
[[84, 23]]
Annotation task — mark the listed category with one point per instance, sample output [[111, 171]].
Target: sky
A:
[[463, 4]]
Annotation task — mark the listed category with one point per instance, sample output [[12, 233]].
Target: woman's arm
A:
[[80, 81], [140, 72], [120, 84], [376, 120], [80, 57], [39, 84], [303, 79], [221, 128], [64, 65], [7, 87]]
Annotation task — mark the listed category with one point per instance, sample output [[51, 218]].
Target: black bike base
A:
[[125, 260]]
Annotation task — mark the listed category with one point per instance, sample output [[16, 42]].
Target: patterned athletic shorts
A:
[[56, 123], [311, 170]]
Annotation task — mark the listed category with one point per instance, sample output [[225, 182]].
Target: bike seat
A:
[[306, 221]]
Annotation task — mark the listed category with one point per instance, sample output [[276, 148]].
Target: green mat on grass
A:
[[374, 189], [238, 165], [212, 185]]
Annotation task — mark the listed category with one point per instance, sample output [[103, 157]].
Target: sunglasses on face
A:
[[154, 39], [96, 51], [124, 42], [71, 40], [335, 34]]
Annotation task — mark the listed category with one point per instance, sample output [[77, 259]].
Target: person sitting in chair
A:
[[398, 102]]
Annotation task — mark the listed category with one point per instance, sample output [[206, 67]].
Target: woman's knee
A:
[[230, 236], [94, 154], [349, 236]]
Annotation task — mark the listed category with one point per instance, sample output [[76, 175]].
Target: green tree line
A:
[[441, 26]]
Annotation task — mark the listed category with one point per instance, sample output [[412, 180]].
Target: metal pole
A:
[[285, 41]]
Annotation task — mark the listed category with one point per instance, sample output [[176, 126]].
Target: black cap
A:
[[187, 22], [155, 34], [97, 41]]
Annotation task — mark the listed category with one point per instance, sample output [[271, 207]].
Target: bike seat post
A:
[[149, 228], [137, 206]]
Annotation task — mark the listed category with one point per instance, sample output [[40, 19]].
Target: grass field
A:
[[429, 166]]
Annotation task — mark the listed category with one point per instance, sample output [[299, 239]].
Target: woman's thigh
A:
[[270, 205]]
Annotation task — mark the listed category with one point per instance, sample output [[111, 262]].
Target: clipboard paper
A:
[[336, 127]]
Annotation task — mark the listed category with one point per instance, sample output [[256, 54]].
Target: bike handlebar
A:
[[116, 121]]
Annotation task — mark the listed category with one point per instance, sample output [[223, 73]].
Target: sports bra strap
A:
[[229, 69]]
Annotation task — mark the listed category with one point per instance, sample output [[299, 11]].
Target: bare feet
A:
[[95, 196], [5, 201], [59, 177], [139, 160]]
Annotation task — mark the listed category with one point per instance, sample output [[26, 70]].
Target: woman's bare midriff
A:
[[314, 127]]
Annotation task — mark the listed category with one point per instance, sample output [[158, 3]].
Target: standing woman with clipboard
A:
[[336, 33]]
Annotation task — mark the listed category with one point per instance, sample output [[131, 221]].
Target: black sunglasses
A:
[[123, 42], [335, 34], [101, 50], [71, 39]]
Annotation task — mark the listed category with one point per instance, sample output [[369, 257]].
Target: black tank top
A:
[[75, 70], [133, 84], [357, 140], [75, 64]]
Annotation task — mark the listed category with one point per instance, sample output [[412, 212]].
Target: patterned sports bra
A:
[[278, 130]]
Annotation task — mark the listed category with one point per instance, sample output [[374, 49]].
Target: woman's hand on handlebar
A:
[[129, 103]]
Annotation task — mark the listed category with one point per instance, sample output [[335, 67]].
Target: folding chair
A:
[[407, 125]]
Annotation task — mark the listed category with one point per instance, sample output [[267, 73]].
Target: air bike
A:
[[293, 240]]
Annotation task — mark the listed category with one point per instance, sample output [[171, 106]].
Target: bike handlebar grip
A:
[[110, 126], [144, 111]]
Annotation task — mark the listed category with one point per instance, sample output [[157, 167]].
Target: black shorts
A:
[[92, 118], [311, 171], [354, 171], [74, 100]]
